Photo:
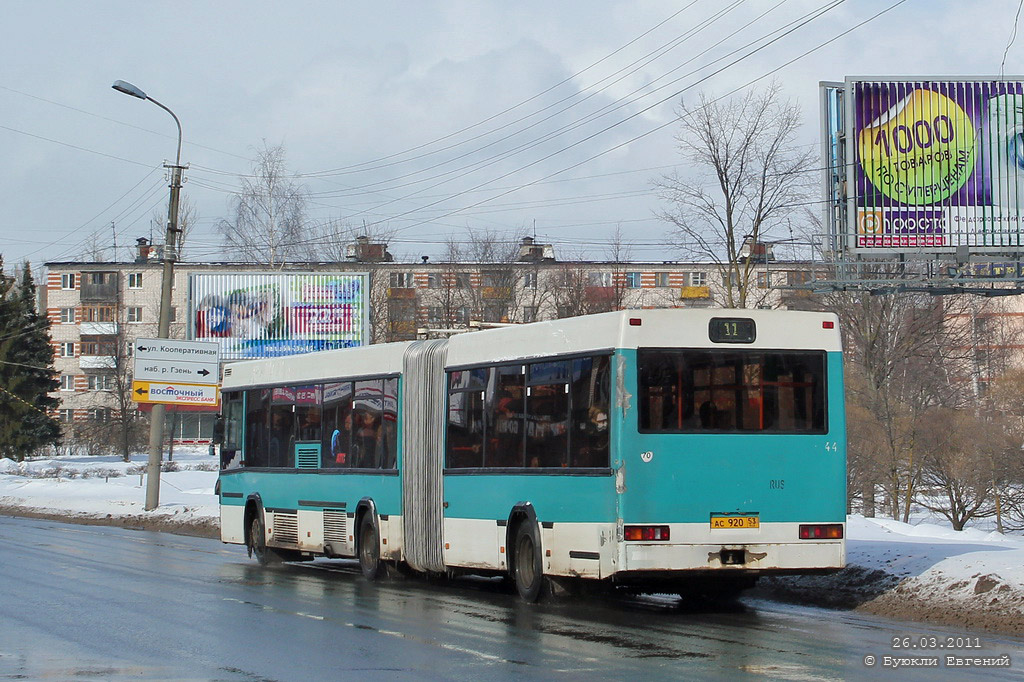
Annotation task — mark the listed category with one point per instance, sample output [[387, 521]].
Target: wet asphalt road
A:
[[87, 602]]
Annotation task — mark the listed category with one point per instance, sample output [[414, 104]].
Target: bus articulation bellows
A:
[[662, 448]]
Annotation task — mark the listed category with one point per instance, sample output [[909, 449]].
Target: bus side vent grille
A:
[[334, 527], [307, 455], [286, 529]]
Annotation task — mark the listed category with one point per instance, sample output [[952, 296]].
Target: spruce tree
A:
[[26, 370]]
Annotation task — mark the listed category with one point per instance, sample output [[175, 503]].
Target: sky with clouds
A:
[[424, 118]]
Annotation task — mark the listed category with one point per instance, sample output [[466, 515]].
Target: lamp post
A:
[[156, 423]]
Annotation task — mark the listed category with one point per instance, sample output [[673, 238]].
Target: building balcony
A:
[[690, 293], [96, 362], [401, 292], [103, 328], [99, 287]]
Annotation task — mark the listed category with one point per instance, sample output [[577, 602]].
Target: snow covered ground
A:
[[922, 571], [108, 488]]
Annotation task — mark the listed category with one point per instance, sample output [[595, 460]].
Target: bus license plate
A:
[[735, 522]]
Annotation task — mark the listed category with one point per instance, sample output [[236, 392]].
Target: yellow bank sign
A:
[[175, 394]]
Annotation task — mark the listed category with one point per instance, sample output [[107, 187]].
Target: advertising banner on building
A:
[[260, 315], [938, 165]]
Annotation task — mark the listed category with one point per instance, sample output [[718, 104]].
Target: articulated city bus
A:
[[677, 450]]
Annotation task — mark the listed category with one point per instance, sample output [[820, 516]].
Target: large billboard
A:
[[269, 314], [936, 165]]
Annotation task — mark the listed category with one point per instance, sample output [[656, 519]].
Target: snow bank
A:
[[921, 572], [107, 488]]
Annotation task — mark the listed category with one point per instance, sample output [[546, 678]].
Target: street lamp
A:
[[156, 423]]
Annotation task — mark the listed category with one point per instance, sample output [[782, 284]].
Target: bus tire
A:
[[369, 549], [258, 542], [528, 565]]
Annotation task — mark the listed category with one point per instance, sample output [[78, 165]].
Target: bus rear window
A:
[[697, 391]]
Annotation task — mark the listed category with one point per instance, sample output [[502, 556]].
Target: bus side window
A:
[[281, 443], [591, 387], [389, 425], [465, 433], [307, 412], [505, 408], [547, 415], [336, 447], [257, 414], [366, 429]]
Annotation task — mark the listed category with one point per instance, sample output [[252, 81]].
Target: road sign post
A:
[[172, 372]]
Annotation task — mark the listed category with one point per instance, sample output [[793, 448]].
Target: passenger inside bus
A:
[[365, 440], [282, 437]]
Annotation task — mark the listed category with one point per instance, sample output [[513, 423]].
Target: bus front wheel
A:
[[528, 567], [258, 542], [369, 549]]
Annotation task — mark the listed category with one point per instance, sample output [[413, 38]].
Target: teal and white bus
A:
[[676, 449]]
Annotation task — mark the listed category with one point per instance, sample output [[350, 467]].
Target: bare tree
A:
[[746, 150], [493, 255], [188, 216], [269, 212], [963, 464], [903, 358]]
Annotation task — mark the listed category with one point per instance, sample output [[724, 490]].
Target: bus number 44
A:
[[831, 447]]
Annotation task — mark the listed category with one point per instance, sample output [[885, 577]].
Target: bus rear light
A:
[[634, 322], [821, 531], [635, 533], [828, 324]]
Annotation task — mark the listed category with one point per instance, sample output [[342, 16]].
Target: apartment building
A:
[[97, 310]]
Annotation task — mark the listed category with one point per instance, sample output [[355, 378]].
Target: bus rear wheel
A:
[[369, 549], [528, 567]]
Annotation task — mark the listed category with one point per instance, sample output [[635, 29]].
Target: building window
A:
[[661, 279], [731, 279], [67, 281], [530, 279], [599, 279], [764, 280], [174, 314], [796, 277], [99, 415], [67, 315], [698, 279], [529, 313], [495, 312], [982, 327], [67, 416], [434, 315], [495, 278], [98, 313], [101, 382], [433, 280], [461, 280], [632, 280], [135, 314], [134, 280], [99, 345], [67, 349], [67, 382], [402, 280]]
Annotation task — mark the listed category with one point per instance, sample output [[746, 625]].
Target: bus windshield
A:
[[734, 391]]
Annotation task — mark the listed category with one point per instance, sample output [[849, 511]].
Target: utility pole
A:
[[156, 419]]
